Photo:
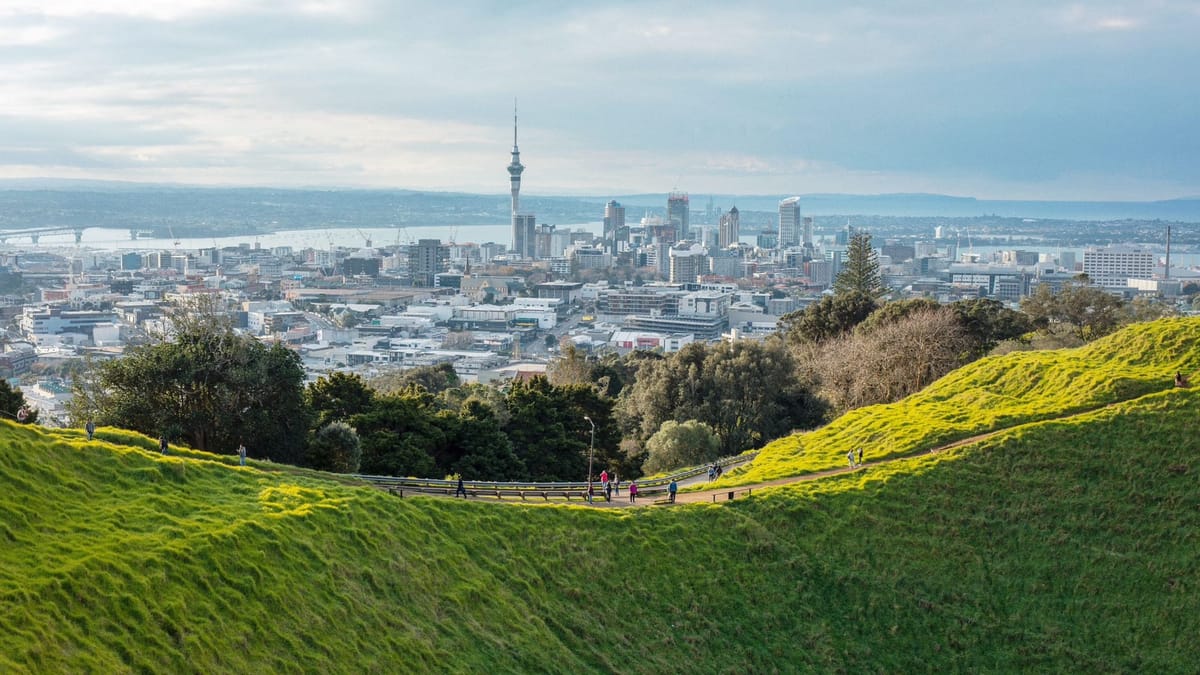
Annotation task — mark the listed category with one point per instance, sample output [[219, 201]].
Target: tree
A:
[[550, 436], [433, 379], [892, 361], [827, 318], [400, 435], [860, 270], [206, 386], [483, 450], [747, 391], [570, 367], [680, 444], [12, 401], [988, 323], [338, 396], [1090, 311], [335, 447]]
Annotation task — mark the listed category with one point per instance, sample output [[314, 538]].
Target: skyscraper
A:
[[678, 215], [426, 259], [524, 235], [728, 233], [790, 222], [614, 220]]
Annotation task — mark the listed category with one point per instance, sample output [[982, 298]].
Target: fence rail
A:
[[545, 490]]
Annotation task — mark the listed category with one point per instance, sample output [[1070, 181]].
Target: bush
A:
[[335, 448], [681, 444]]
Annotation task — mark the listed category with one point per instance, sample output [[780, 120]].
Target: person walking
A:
[[90, 428], [633, 492], [672, 489], [603, 478], [617, 483], [608, 492], [162, 444], [850, 458], [860, 456], [460, 489], [242, 453]]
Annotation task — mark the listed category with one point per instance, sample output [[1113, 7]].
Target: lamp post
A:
[[591, 452]]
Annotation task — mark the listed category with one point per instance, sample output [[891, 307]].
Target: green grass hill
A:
[[1067, 542]]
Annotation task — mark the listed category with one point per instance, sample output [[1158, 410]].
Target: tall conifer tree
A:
[[860, 272]]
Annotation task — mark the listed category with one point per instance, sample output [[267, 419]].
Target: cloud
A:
[[632, 95]]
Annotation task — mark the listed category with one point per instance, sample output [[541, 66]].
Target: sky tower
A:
[[515, 167], [523, 238]]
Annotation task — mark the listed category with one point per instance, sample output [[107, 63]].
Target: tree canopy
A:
[[206, 386], [747, 391]]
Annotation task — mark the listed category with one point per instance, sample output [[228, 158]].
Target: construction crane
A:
[[453, 235], [172, 231], [365, 237]]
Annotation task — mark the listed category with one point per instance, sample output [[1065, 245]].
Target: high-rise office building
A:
[[678, 215], [426, 259], [614, 220], [524, 235], [790, 222], [1114, 266], [687, 262], [728, 232]]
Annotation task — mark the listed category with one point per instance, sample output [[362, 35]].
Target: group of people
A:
[[608, 484], [855, 460], [714, 471]]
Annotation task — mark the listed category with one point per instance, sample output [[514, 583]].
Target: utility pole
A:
[[591, 452]]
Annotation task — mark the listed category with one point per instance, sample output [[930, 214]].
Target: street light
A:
[[591, 451]]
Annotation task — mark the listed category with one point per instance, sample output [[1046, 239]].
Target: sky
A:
[[1020, 99]]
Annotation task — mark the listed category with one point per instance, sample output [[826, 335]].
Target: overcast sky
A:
[[1022, 99]]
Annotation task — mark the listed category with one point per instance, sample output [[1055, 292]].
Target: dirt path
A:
[[722, 494]]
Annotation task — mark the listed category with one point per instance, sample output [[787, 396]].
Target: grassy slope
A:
[[992, 393], [1057, 546]]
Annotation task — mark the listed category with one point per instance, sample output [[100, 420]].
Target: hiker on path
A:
[[242, 453], [608, 492], [461, 489], [860, 456], [633, 492], [162, 444], [90, 428], [712, 471], [850, 457], [672, 489], [617, 483], [604, 477]]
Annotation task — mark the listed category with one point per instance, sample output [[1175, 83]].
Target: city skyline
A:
[[1021, 101]]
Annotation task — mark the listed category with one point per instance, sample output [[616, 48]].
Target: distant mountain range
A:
[[29, 202]]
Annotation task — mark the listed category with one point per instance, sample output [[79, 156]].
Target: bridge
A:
[[35, 233]]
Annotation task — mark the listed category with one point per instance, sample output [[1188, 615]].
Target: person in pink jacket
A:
[[632, 492]]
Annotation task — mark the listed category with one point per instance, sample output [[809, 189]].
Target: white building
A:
[[1114, 266]]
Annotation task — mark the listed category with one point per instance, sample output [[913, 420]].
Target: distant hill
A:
[[214, 211], [1065, 545]]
